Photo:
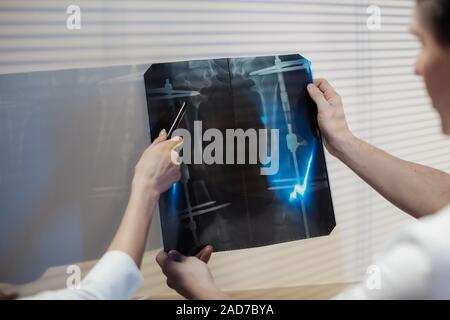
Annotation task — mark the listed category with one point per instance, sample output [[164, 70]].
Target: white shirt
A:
[[114, 277], [415, 265]]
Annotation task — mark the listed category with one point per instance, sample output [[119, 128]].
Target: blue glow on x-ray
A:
[[173, 193], [173, 190], [264, 120], [300, 189]]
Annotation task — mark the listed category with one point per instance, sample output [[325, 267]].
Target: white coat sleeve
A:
[[114, 277]]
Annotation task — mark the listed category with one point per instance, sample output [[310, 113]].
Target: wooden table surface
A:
[[314, 292]]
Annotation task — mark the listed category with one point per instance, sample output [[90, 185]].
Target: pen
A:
[[177, 120]]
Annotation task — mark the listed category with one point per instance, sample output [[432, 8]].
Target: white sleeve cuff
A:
[[115, 276]]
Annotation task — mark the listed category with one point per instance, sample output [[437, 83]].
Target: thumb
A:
[[205, 253], [161, 137], [317, 96], [174, 142], [176, 256]]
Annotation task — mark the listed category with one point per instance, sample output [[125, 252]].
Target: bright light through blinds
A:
[[372, 70]]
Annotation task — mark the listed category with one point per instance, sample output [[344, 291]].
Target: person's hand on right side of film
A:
[[330, 115], [190, 276]]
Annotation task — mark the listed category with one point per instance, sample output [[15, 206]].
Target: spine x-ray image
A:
[[230, 204]]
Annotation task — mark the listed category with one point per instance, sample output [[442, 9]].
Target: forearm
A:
[[132, 233], [416, 189]]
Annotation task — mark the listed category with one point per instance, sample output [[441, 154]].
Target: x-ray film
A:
[[254, 171]]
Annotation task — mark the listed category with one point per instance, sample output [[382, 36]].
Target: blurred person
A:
[[416, 263]]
